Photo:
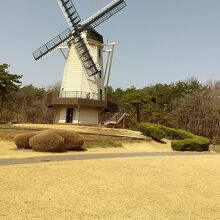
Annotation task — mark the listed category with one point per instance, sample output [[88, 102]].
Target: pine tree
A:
[[8, 83]]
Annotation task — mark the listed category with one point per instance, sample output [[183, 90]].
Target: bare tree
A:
[[198, 112]]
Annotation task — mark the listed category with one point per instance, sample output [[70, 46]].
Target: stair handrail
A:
[[119, 117]]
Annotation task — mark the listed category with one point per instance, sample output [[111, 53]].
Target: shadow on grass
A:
[[159, 141], [80, 150], [63, 151], [53, 152], [102, 144]]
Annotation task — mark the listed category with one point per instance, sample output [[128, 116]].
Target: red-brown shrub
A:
[[47, 141], [72, 140], [22, 140]]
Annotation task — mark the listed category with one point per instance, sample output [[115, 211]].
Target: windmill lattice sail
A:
[[69, 12], [104, 14], [53, 44], [85, 56]]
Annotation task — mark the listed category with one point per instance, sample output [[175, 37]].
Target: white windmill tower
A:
[[82, 94]]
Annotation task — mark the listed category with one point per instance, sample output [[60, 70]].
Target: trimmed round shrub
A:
[[22, 140], [195, 144], [72, 140], [47, 141], [152, 131]]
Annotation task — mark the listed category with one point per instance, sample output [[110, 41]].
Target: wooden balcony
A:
[[53, 101]]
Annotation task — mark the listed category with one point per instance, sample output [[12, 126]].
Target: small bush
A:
[[152, 131], [22, 140], [195, 144], [47, 141], [72, 140]]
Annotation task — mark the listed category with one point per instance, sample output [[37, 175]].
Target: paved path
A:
[[59, 158]]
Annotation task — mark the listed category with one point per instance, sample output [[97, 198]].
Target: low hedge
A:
[[177, 134], [152, 131], [181, 140], [195, 144]]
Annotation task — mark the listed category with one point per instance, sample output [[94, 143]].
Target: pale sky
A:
[[159, 41]]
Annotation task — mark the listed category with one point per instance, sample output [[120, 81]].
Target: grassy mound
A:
[[47, 141], [72, 140], [22, 140], [181, 140]]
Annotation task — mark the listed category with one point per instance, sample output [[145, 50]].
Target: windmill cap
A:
[[94, 35]]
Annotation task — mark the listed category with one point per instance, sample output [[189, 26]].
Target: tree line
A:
[[22, 103], [187, 104]]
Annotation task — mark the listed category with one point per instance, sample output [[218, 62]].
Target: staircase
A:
[[84, 53], [115, 118]]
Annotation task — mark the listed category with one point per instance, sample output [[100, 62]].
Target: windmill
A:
[[82, 94]]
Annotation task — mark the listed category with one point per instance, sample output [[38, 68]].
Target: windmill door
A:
[[69, 115]]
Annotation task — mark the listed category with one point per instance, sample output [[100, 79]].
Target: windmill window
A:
[[100, 54], [101, 94]]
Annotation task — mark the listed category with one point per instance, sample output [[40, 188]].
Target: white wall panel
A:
[[62, 115], [89, 116]]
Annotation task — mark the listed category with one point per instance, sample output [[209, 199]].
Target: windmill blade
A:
[[104, 13], [53, 44], [90, 66], [69, 12]]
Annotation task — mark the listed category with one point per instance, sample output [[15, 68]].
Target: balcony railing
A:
[[81, 95]]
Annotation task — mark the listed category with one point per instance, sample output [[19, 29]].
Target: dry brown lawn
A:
[[8, 149], [9, 134], [177, 187]]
